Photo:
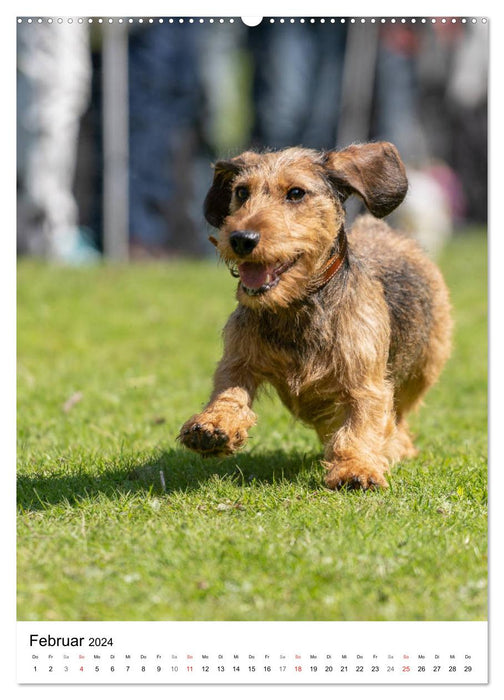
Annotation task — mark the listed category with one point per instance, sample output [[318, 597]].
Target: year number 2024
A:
[[100, 642]]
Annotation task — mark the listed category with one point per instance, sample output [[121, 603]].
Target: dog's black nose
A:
[[244, 242]]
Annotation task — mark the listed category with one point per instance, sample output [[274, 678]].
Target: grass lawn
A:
[[116, 522]]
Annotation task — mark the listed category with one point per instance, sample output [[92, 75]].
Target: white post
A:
[[357, 88], [115, 141]]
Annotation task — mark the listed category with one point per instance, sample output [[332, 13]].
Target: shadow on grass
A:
[[170, 471]]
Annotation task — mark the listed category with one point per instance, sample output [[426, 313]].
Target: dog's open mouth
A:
[[258, 278]]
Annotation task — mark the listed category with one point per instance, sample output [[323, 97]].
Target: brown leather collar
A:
[[333, 264]]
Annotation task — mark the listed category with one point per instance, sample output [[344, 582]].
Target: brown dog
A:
[[351, 334]]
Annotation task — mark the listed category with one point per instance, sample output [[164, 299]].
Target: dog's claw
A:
[[352, 484], [353, 479], [355, 483], [208, 440]]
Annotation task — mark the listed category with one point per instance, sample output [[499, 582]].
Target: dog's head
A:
[[279, 213]]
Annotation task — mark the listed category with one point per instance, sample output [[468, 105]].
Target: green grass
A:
[[256, 536]]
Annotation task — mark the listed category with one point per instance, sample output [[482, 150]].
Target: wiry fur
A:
[[349, 357]]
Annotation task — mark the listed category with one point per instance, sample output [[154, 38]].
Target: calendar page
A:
[[252, 349]]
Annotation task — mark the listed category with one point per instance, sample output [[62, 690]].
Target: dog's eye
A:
[[242, 193], [295, 194]]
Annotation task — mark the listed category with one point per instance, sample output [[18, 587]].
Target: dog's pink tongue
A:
[[253, 275]]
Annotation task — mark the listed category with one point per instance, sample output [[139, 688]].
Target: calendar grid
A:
[[239, 652]]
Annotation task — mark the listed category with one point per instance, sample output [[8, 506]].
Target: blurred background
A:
[[118, 123]]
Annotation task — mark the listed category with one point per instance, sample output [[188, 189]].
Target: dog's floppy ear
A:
[[216, 206], [374, 171]]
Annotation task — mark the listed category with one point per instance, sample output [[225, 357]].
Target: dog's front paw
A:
[[210, 439], [354, 475]]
